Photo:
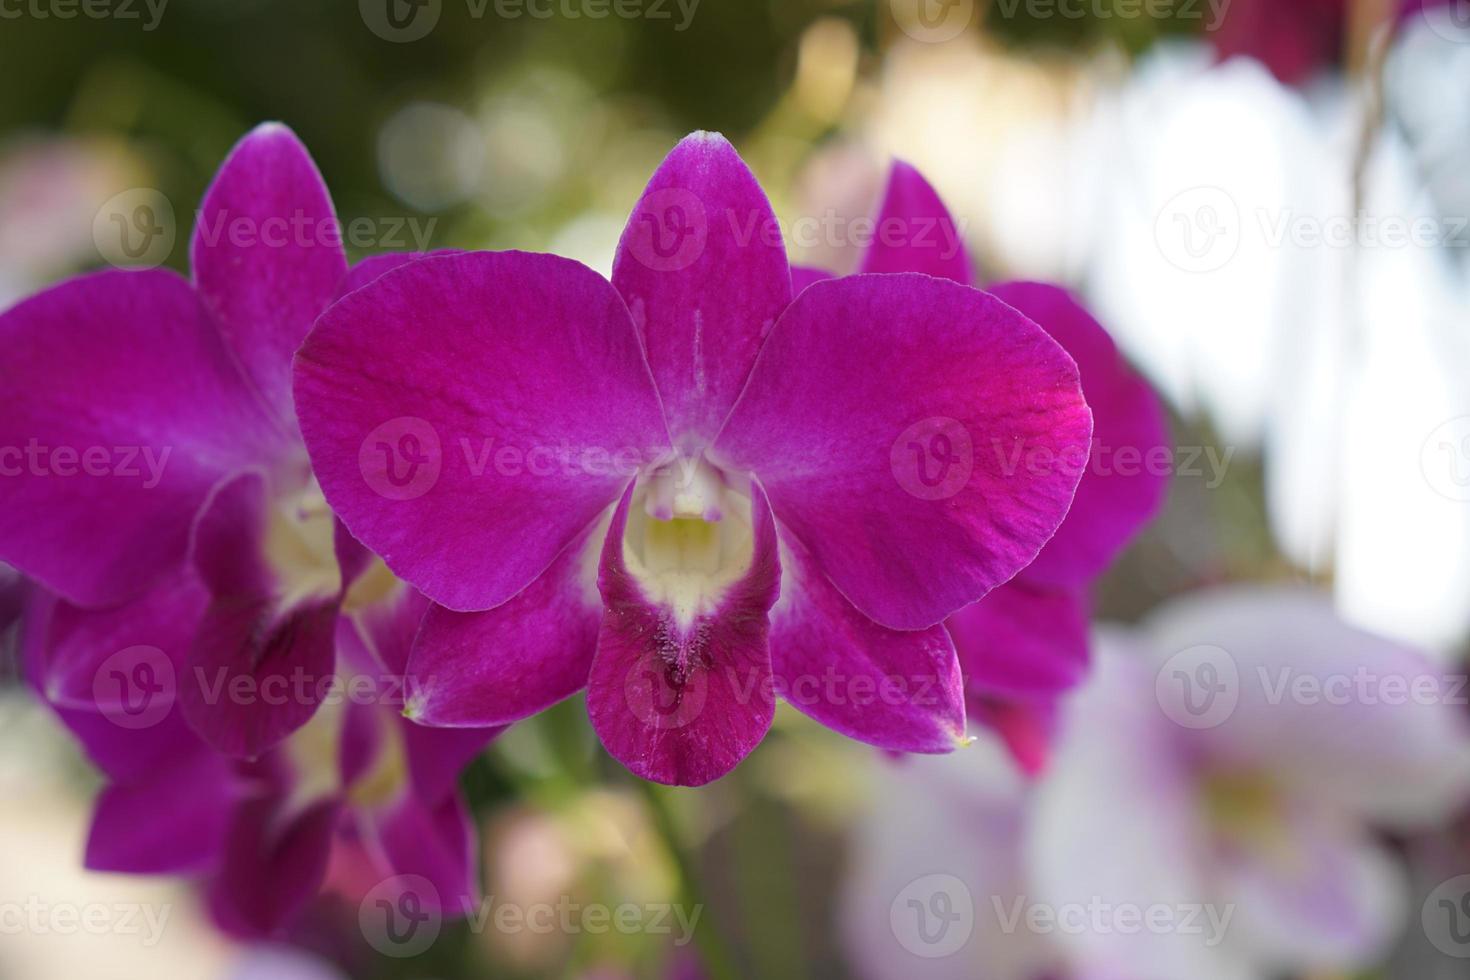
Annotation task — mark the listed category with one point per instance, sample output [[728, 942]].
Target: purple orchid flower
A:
[[1025, 644], [152, 450], [258, 833], [684, 490]]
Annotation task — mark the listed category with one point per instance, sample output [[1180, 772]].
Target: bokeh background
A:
[[1267, 202]]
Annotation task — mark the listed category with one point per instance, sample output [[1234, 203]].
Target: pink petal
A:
[[468, 415], [1132, 457], [1019, 642], [274, 865], [257, 670], [510, 662], [122, 411], [921, 438], [267, 255], [173, 822], [915, 231], [433, 842], [683, 705], [703, 270], [898, 691], [803, 276]]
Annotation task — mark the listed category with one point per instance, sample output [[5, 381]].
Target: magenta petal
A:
[[1020, 642], [468, 415], [1131, 458], [436, 843], [377, 266], [256, 671], [896, 690], [508, 663], [267, 255], [1027, 728], [132, 726], [684, 704], [921, 438], [174, 822], [803, 276], [273, 866], [915, 231], [122, 410], [702, 267]]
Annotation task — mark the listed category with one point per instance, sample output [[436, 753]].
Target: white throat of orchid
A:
[[314, 752], [688, 537], [300, 549]]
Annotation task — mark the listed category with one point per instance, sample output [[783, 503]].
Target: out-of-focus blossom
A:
[[935, 868], [994, 131], [679, 463], [259, 834], [1025, 644], [1296, 39], [50, 193], [280, 963], [1229, 763], [1195, 270], [164, 472]]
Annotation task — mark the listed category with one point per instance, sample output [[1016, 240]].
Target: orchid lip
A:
[[689, 538]]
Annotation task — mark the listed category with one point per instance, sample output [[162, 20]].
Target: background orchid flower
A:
[[1025, 644], [1238, 753], [163, 457], [683, 489], [259, 834]]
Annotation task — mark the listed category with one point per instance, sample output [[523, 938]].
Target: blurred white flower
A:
[[1229, 764], [935, 872]]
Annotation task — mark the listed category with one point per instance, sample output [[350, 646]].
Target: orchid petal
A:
[[960, 454], [267, 255], [468, 415], [915, 231], [900, 691], [683, 703], [703, 270]]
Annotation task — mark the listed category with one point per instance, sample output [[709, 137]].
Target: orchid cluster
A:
[[399, 506]]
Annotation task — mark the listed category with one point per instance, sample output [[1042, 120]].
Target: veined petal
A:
[[1020, 642], [267, 255], [678, 695], [122, 411], [510, 662], [900, 691], [1131, 458], [921, 485], [702, 267], [469, 415], [915, 231]]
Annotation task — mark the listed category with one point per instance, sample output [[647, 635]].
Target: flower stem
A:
[[714, 951]]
